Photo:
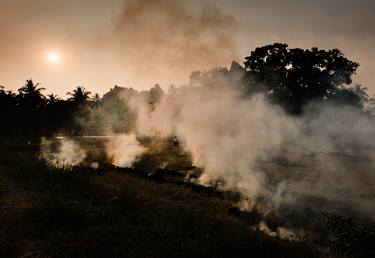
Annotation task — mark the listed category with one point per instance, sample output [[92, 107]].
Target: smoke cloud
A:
[[322, 161], [65, 153], [249, 146], [124, 150], [162, 40]]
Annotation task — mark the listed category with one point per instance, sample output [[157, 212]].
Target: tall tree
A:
[[295, 77], [8, 104], [79, 95], [52, 98], [31, 108], [79, 109], [30, 95]]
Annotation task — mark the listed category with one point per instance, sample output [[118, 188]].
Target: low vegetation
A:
[[49, 212]]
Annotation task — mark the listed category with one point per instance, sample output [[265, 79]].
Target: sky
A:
[[138, 43]]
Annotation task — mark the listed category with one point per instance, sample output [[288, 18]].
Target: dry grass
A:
[[48, 212]]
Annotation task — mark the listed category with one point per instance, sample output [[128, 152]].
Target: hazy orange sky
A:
[[137, 43]]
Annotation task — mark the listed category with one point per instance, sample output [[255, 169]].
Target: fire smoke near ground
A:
[[124, 150], [65, 154], [247, 145], [232, 137]]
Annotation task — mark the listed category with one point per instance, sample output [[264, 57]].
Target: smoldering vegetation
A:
[[291, 167]]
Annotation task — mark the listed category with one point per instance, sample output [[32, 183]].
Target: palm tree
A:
[[52, 98], [31, 90], [8, 104], [10, 94], [31, 103], [30, 95], [6, 96], [79, 95], [96, 100]]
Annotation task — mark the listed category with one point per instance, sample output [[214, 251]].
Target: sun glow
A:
[[53, 57]]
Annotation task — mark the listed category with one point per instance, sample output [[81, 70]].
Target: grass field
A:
[[111, 212]]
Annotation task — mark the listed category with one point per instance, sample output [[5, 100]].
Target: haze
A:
[[101, 43]]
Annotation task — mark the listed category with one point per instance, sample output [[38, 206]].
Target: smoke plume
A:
[[65, 153], [320, 161], [124, 150], [164, 40], [247, 145]]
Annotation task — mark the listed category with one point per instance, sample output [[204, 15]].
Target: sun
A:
[[53, 57]]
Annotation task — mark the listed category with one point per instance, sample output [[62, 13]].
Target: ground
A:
[[109, 212]]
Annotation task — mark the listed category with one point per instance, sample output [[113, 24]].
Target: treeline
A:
[[30, 113], [291, 78]]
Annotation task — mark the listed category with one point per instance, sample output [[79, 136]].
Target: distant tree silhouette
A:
[[115, 102], [31, 103], [52, 98], [79, 95], [221, 76], [6, 94], [361, 92], [96, 99], [79, 108], [8, 105], [155, 94], [31, 96], [295, 77], [58, 115]]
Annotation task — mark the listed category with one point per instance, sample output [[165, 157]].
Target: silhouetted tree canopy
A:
[[288, 77], [31, 104], [79, 95], [52, 98], [293, 77], [31, 96]]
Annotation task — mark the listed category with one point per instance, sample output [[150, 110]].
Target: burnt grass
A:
[[111, 212]]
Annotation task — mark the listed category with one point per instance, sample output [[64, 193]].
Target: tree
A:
[[155, 94], [295, 77], [30, 96], [31, 89], [30, 108], [361, 92], [79, 95], [52, 98], [8, 103], [221, 77]]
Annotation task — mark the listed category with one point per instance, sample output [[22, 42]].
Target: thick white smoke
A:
[[124, 150], [225, 133], [63, 153], [247, 145], [255, 148]]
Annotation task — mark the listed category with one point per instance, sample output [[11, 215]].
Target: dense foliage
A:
[[294, 77]]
